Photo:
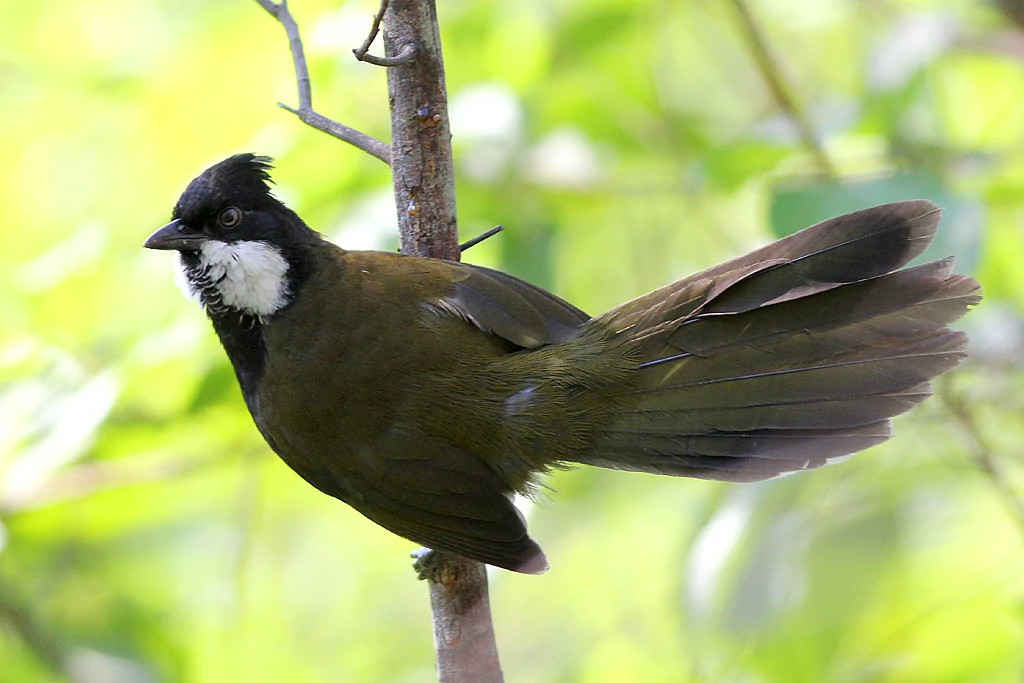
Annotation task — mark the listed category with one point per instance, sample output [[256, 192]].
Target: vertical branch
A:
[[463, 635], [421, 153], [424, 185]]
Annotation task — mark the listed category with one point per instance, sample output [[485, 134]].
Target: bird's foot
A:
[[430, 564]]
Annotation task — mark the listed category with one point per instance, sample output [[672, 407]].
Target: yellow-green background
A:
[[147, 533]]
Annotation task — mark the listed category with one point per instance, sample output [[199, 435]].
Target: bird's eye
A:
[[230, 217]]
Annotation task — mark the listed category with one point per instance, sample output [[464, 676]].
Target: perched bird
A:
[[425, 393]]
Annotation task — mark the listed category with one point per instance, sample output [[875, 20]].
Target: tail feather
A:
[[904, 303], [781, 372], [802, 444], [746, 456], [770, 413], [849, 248], [790, 356]]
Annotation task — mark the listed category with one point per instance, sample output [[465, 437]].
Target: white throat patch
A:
[[246, 276]]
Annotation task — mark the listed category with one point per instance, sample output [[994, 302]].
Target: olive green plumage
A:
[[423, 392]]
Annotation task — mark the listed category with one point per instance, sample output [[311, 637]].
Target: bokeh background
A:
[[146, 532]]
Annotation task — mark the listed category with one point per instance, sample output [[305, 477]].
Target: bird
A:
[[427, 393]]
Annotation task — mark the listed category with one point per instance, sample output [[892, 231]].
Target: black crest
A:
[[242, 180], [243, 170]]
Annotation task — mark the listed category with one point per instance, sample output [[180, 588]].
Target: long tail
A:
[[790, 356]]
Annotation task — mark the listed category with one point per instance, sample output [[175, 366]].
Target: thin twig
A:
[[772, 75], [982, 453], [361, 51], [352, 136], [279, 10], [407, 54], [480, 238], [305, 112]]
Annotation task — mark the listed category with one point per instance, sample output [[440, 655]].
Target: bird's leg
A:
[[429, 564]]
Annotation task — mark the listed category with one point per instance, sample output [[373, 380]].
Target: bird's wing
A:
[[513, 309], [433, 493]]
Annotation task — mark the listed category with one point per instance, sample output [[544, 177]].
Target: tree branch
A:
[[421, 153], [772, 75], [407, 54], [305, 112], [424, 184], [463, 635], [360, 52]]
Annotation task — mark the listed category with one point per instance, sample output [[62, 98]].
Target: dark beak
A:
[[173, 236]]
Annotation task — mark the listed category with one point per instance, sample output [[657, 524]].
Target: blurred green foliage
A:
[[147, 533]]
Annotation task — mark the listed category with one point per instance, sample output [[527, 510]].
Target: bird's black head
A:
[[242, 181], [240, 249], [231, 202]]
